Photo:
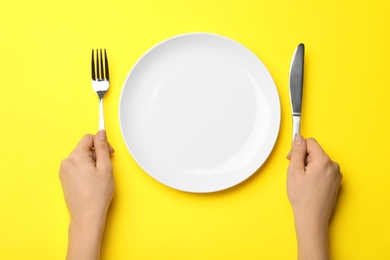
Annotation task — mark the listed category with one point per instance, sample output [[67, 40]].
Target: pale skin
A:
[[88, 185], [313, 182], [86, 175]]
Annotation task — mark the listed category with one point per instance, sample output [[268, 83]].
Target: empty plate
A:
[[199, 112]]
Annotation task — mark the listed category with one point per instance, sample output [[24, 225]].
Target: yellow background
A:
[[47, 104]]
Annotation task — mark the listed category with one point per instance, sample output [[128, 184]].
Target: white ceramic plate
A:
[[199, 112]]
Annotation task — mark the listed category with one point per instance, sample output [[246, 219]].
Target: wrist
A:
[[88, 222], [85, 236], [310, 220], [312, 237]]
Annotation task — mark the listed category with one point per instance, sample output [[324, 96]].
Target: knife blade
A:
[[296, 87]]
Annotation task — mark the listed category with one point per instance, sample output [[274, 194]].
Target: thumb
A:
[[102, 150], [298, 155]]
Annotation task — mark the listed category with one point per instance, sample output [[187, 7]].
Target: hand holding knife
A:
[[296, 87]]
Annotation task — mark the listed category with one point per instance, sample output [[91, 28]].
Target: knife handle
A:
[[296, 126]]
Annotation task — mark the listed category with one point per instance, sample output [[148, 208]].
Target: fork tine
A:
[[101, 65], [98, 64], [106, 62], [93, 67]]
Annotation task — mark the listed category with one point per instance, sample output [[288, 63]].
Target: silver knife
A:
[[296, 86]]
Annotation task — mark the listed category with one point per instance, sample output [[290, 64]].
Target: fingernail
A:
[[102, 135], [298, 139]]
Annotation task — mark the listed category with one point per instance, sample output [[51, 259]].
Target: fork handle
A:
[[101, 114]]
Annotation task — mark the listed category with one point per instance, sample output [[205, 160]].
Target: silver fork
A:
[[100, 80]]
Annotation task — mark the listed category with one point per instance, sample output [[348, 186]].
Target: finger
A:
[[86, 143], [93, 155], [313, 146], [103, 161], [289, 155], [111, 149], [314, 150], [298, 155], [83, 149]]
